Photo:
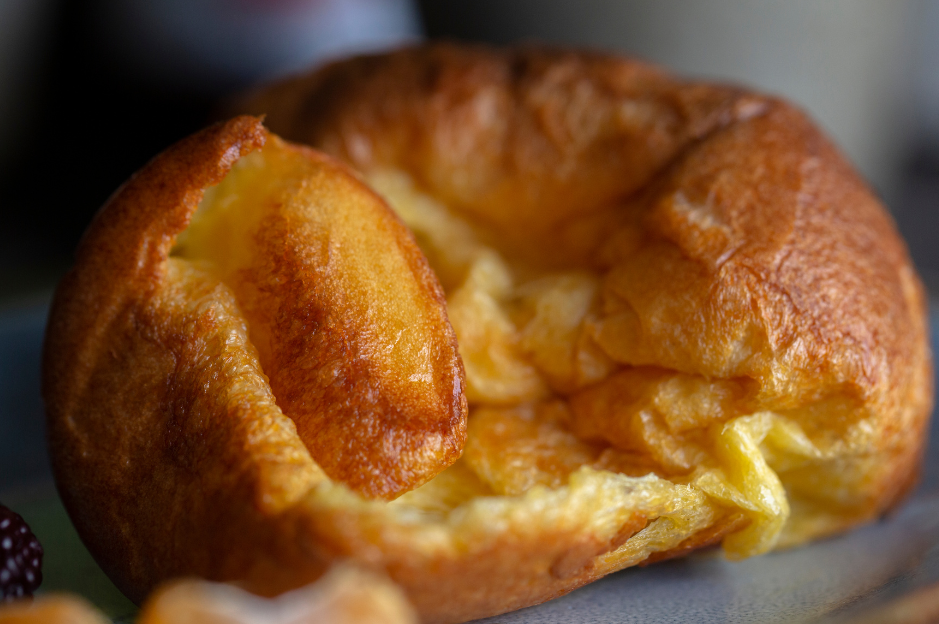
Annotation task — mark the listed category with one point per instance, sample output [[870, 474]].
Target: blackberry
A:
[[20, 557]]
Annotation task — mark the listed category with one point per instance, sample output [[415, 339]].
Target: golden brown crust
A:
[[513, 137], [746, 278]]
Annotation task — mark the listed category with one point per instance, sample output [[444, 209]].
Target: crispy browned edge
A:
[[105, 465]]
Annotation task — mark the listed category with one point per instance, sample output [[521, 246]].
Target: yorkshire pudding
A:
[[684, 321]]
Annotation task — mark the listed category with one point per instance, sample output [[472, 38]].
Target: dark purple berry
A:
[[20, 558]]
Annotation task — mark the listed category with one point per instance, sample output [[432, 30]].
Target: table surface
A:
[[835, 579]]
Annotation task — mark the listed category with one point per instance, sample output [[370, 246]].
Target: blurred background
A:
[[91, 89]]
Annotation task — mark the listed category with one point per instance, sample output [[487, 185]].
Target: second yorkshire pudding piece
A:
[[683, 321]]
